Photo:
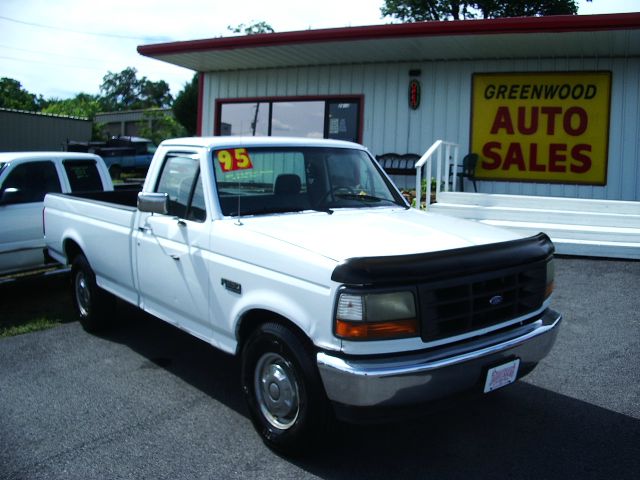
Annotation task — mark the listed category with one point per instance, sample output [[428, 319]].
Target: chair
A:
[[287, 184], [467, 170]]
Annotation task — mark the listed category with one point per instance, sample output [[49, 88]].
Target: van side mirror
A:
[[153, 202]]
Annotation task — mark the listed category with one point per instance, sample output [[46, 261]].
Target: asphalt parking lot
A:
[[148, 401]]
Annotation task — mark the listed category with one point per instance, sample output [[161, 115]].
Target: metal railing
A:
[[445, 164]]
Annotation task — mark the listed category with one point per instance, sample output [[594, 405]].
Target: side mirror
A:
[[10, 196], [153, 202]]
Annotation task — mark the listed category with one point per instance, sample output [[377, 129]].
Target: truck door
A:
[[171, 268], [22, 192]]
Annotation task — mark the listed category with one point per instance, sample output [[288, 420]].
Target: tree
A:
[[185, 106], [426, 10], [252, 29], [159, 126], [82, 105], [12, 95], [125, 91]]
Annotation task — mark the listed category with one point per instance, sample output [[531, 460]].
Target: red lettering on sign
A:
[[502, 120], [574, 120], [534, 166], [577, 160], [583, 120], [551, 113], [515, 157], [533, 124], [557, 157], [489, 153], [584, 162]]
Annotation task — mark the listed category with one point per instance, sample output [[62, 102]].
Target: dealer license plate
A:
[[501, 375]]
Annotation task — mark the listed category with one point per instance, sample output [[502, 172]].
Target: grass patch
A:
[[35, 304], [28, 327]]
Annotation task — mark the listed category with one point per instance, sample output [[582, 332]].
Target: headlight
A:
[[376, 316]]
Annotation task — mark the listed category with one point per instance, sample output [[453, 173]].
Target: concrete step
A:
[[578, 232], [598, 228], [541, 203], [538, 214]]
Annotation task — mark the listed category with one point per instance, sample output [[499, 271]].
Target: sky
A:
[[59, 48]]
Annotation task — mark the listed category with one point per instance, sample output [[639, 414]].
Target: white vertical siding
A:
[[445, 109]]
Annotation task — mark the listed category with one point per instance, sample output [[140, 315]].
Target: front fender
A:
[[310, 311]]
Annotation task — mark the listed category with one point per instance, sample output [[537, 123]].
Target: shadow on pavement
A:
[[522, 431]]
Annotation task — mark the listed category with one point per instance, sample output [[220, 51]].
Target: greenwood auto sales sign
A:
[[541, 127]]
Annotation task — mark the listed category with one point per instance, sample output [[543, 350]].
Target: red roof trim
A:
[[560, 23]]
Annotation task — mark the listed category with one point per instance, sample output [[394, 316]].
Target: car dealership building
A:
[[550, 105]]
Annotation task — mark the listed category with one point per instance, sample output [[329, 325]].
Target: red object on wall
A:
[[414, 94]]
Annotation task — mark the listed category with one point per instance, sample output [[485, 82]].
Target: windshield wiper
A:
[[364, 197]]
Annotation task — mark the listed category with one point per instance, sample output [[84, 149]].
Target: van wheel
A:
[[94, 306], [283, 390]]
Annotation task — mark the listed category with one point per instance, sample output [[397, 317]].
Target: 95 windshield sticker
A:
[[234, 159]]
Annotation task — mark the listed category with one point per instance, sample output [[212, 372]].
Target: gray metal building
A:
[[31, 131], [128, 122]]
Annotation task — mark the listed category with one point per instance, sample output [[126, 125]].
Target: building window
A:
[[337, 118]]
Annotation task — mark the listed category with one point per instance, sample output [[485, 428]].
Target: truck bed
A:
[[95, 223], [120, 197]]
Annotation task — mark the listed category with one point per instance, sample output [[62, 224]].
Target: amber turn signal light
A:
[[377, 330]]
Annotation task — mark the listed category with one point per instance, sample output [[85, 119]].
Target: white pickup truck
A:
[[300, 257], [25, 178]]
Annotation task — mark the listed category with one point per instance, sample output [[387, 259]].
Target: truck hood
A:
[[375, 232]]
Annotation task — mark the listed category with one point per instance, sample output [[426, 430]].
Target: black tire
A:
[[94, 306], [283, 389]]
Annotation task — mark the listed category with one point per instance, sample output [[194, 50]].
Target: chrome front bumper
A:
[[432, 375]]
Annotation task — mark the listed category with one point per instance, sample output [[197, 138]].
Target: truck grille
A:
[[470, 303]]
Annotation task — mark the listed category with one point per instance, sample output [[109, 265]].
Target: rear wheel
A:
[[283, 390], [94, 306]]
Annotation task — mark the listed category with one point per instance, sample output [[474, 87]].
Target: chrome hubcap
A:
[[83, 298], [277, 390]]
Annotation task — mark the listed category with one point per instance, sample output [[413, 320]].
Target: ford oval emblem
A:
[[496, 300]]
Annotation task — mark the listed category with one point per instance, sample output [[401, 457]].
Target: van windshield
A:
[[253, 181]]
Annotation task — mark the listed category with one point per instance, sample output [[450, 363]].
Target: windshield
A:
[[253, 181]]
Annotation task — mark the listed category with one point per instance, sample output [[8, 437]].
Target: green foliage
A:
[[119, 91], [35, 304], [125, 91], [185, 106], [430, 10], [82, 105], [12, 95], [31, 326], [252, 29], [159, 126], [98, 132]]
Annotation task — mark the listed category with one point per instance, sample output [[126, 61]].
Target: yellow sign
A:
[[541, 127]]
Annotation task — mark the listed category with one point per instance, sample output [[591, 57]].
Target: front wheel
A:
[[94, 306], [283, 390]]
